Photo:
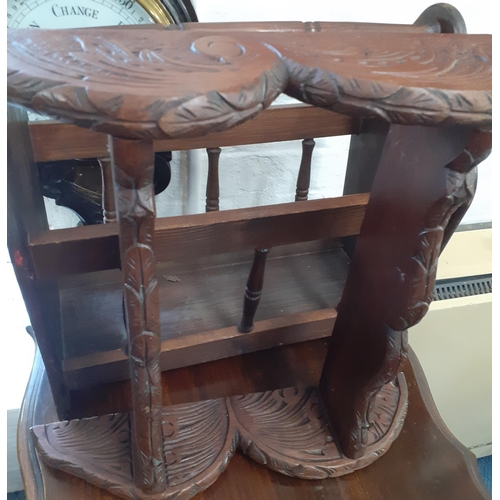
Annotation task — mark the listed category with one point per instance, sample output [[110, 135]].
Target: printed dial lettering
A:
[[60, 14]]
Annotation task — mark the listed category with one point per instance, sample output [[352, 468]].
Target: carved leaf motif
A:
[[381, 414], [94, 444], [391, 102], [425, 259], [110, 80], [198, 443], [284, 430], [220, 110], [195, 435], [64, 97], [109, 53], [287, 431]]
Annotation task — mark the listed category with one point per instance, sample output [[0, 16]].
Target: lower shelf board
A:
[[201, 305], [283, 429]]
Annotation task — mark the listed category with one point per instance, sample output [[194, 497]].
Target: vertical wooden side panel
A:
[[212, 201], [365, 151], [133, 172], [391, 277], [27, 217]]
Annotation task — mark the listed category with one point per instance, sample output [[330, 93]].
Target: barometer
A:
[[59, 14]]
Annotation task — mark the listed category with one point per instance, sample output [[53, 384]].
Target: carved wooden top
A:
[[141, 83]]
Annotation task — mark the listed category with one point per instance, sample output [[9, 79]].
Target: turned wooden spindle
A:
[[212, 202], [304, 177], [253, 290], [133, 171], [108, 194], [255, 281]]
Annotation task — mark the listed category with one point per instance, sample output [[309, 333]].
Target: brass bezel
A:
[[157, 11]]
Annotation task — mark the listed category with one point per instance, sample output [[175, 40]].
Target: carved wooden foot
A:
[[284, 429]]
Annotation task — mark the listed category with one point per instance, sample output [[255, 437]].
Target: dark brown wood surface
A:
[[425, 462], [212, 195], [304, 177], [200, 304], [108, 195], [392, 273], [225, 79], [253, 290], [27, 217], [54, 141], [95, 248], [219, 79], [366, 146]]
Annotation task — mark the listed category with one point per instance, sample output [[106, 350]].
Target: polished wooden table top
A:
[[425, 462]]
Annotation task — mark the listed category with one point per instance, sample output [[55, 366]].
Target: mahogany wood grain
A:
[[425, 462], [365, 150], [95, 248], [366, 146], [203, 346], [61, 141]]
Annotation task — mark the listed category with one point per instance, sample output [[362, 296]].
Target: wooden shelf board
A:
[[199, 313]]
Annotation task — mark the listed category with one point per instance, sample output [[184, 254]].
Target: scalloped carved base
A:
[[284, 429]]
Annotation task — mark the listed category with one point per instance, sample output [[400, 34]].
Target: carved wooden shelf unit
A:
[[145, 295]]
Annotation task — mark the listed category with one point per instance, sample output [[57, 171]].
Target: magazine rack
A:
[[141, 85]]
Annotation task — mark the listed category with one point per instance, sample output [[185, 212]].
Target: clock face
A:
[[59, 14]]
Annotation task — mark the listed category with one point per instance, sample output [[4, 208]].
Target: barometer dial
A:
[[60, 14]]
